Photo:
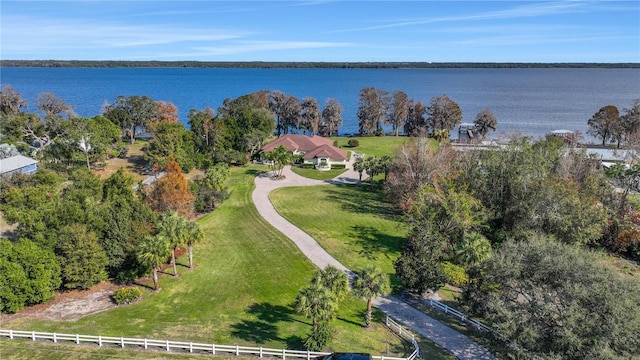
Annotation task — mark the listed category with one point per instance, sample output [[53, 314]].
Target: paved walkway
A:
[[458, 344]]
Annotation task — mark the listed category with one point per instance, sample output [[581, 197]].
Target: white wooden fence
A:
[[404, 333], [168, 345], [458, 314]]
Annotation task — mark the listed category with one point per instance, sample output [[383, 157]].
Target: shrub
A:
[[336, 144], [126, 295], [307, 166], [319, 338], [455, 275], [353, 143], [338, 166]]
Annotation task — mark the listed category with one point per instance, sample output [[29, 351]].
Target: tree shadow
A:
[[255, 331], [254, 172], [141, 284], [295, 342], [362, 201], [373, 242], [264, 328]]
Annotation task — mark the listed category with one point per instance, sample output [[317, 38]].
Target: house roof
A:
[[312, 146], [14, 163], [329, 151], [295, 142]]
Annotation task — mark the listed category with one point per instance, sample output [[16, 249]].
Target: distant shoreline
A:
[[304, 65]]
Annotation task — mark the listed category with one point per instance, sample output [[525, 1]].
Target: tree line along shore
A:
[[302, 64]]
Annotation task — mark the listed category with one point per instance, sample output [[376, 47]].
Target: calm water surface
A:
[[531, 101]]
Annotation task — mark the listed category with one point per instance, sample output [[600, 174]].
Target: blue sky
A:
[[437, 31]]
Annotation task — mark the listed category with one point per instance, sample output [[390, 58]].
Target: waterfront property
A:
[[315, 150]]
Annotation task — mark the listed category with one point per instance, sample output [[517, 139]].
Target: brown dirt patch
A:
[[76, 304], [70, 305]]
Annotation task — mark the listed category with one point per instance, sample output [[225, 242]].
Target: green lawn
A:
[[28, 350], [352, 223], [374, 145], [248, 275], [317, 175]]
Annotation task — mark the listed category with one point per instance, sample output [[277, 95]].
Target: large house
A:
[[315, 150]]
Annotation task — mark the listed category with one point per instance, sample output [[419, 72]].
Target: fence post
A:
[[54, 338], [168, 346], [11, 334], [308, 355], [100, 340], [213, 349], [33, 336], [284, 354], [145, 343], [237, 350], [77, 339], [190, 347], [260, 351]]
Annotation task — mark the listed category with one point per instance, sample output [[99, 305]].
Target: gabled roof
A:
[[329, 151], [15, 162], [312, 146]]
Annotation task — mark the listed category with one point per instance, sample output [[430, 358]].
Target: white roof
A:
[[15, 162]]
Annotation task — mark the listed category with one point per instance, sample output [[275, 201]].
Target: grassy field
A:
[[352, 223], [373, 146], [28, 350], [317, 175], [247, 276]]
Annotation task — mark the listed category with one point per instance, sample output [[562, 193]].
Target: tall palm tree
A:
[[359, 166], [369, 283], [174, 228], [194, 235], [153, 251], [317, 303], [333, 279]]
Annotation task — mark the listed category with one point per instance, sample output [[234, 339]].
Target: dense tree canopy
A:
[[605, 124], [372, 110], [443, 114], [557, 301]]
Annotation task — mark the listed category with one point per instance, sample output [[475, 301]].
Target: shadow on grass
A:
[[254, 172], [360, 200], [264, 328], [295, 342], [374, 242], [255, 331]]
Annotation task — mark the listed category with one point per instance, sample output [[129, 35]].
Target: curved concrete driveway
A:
[[458, 344]]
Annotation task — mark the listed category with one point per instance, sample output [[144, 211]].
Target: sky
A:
[[323, 31]]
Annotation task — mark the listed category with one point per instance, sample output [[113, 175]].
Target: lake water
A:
[[531, 101]]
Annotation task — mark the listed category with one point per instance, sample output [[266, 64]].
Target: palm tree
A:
[[153, 251], [359, 166], [369, 283], [174, 228], [333, 279], [194, 235], [317, 303], [473, 249]]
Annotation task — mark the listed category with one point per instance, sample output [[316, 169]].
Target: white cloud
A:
[[533, 10]]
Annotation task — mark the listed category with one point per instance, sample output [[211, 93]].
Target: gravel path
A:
[[458, 344]]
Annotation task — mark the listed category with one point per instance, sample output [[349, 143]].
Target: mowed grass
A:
[[247, 277], [28, 350], [373, 145], [355, 225], [317, 175]]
